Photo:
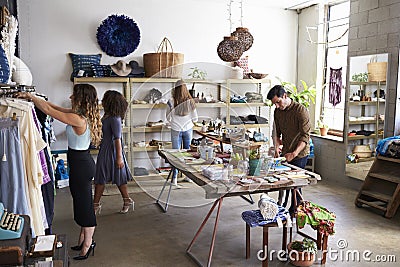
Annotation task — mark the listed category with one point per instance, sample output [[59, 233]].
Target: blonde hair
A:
[[85, 103], [183, 101]]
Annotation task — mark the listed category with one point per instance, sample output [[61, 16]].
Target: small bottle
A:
[[230, 172], [203, 127]]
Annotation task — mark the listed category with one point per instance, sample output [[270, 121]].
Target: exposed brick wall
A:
[[375, 29]]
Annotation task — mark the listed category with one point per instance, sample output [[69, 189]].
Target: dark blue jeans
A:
[[301, 163]]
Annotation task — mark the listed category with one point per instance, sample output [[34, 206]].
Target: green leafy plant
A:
[[360, 77], [254, 154], [304, 97], [321, 124], [307, 245], [197, 74]]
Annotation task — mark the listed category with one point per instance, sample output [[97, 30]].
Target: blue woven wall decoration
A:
[[4, 67], [118, 35]]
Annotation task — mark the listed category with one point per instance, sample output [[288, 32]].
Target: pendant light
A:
[[232, 47]]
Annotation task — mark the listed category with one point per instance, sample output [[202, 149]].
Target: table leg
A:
[[319, 240], [250, 199], [247, 241], [324, 248], [219, 202], [293, 213], [165, 208], [265, 246], [284, 238]]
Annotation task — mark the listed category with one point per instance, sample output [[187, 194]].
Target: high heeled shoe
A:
[[97, 208], [128, 202], [90, 250], [78, 247]]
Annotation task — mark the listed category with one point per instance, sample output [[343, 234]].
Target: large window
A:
[[333, 101]]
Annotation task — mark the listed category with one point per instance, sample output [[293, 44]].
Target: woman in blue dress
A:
[[111, 163]]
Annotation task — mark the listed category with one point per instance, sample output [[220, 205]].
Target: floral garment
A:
[[318, 217]]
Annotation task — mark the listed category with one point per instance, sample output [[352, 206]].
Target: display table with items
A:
[[219, 182], [18, 248], [15, 234], [52, 248]]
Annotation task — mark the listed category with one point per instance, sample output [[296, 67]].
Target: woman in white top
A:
[[181, 113]]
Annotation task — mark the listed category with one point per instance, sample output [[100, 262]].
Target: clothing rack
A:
[[6, 90]]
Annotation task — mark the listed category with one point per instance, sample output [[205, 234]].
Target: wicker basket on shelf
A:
[[362, 151], [377, 71]]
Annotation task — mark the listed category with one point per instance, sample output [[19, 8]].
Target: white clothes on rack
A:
[[31, 144]]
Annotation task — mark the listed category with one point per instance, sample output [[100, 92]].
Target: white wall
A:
[[49, 29]]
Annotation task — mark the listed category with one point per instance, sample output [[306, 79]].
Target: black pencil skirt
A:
[[81, 172]]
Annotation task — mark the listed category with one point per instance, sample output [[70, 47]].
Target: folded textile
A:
[[254, 97], [254, 217], [257, 119], [382, 147], [238, 99]]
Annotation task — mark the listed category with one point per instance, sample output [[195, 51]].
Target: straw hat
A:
[[136, 69], [121, 68]]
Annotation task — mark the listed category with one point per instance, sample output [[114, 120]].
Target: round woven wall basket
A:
[[245, 38], [229, 49]]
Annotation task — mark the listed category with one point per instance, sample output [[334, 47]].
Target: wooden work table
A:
[[219, 189]]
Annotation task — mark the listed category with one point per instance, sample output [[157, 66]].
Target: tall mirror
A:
[[365, 111]]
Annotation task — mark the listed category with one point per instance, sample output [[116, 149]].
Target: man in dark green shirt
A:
[[291, 129]]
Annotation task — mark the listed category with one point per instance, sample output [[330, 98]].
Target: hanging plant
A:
[[118, 35]]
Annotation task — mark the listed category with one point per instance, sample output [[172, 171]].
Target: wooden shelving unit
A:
[[366, 116], [381, 187], [222, 89]]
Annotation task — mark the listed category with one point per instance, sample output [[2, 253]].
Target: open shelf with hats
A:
[[365, 124]]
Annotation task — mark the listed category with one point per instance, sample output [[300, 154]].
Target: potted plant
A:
[[196, 74], [302, 253], [254, 162], [323, 127], [304, 97]]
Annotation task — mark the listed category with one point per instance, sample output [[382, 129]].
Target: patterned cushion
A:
[[101, 70], [83, 62]]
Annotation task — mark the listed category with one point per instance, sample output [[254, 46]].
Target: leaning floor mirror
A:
[[365, 111]]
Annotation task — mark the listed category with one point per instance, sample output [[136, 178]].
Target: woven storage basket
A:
[[362, 151], [377, 71], [163, 63]]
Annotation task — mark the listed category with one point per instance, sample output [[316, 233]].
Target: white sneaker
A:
[[174, 181]]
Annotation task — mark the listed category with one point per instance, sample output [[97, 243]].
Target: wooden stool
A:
[[265, 238]]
